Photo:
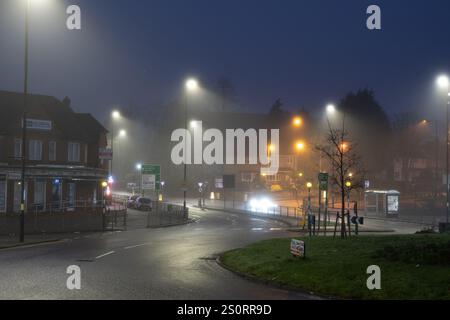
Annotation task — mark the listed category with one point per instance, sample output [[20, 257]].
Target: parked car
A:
[[143, 204], [131, 201]]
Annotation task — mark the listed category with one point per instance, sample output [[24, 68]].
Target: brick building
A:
[[63, 165]]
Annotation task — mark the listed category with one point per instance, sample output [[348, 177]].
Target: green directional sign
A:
[[151, 177], [323, 181]]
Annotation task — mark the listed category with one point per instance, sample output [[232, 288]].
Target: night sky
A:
[[307, 53]]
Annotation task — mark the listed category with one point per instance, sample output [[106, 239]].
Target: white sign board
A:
[[34, 124], [218, 183], [298, 248], [149, 182], [392, 204]]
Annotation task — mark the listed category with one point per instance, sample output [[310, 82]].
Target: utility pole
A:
[[24, 128]]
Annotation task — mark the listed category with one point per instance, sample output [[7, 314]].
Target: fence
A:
[[160, 214], [66, 217], [166, 214]]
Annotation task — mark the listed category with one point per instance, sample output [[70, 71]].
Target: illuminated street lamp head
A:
[[297, 121], [309, 185], [300, 146], [331, 109], [116, 115], [348, 184], [104, 184], [443, 82], [139, 166], [192, 85], [122, 133], [300, 174], [350, 174]]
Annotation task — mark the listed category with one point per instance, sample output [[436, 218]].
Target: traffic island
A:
[[411, 267]]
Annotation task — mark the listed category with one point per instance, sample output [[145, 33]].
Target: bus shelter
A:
[[382, 203]]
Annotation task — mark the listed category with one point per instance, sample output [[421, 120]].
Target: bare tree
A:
[[347, 172]]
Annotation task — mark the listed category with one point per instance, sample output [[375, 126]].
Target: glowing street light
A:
[[194, 124], [116, 115], [192, 85], [297, 122], [300, 146], [139, 166], [331, 109], [122, 133], [443, 82]]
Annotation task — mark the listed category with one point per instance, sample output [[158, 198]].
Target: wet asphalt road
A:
[[170, 263]]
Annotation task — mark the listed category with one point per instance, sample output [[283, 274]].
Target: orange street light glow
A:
[[300, 146], [297, 121]]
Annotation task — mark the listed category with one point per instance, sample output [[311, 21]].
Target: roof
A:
[[75, 126]]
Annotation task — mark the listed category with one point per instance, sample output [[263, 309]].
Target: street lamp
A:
[[331, 109], [194, 124], [443, 83], [297, 122], [309, 186], [300, 146], [191, 86], [24, 123], [122, 133], [116, 116]]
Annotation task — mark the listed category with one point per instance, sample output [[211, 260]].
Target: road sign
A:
[[323, 181], [105, 154], [357, 220], [298, 248], [151, 177]]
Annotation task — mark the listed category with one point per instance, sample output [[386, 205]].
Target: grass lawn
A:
[[337, 267]]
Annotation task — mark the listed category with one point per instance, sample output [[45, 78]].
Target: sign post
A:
[[323, 187], [151, 180]]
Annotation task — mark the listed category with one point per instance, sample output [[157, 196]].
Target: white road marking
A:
[[257, 229], [104, 255], [275, 229], [136, 246]]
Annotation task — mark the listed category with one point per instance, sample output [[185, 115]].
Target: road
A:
[[170, 263]]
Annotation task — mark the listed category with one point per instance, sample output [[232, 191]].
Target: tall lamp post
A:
[[443, 82], [24, 126], [115, 115], [191, 86]]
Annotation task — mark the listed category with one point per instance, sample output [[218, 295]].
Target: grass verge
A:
[[337, 267]]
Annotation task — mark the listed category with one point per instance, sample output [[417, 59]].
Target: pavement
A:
[[168, 263]]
